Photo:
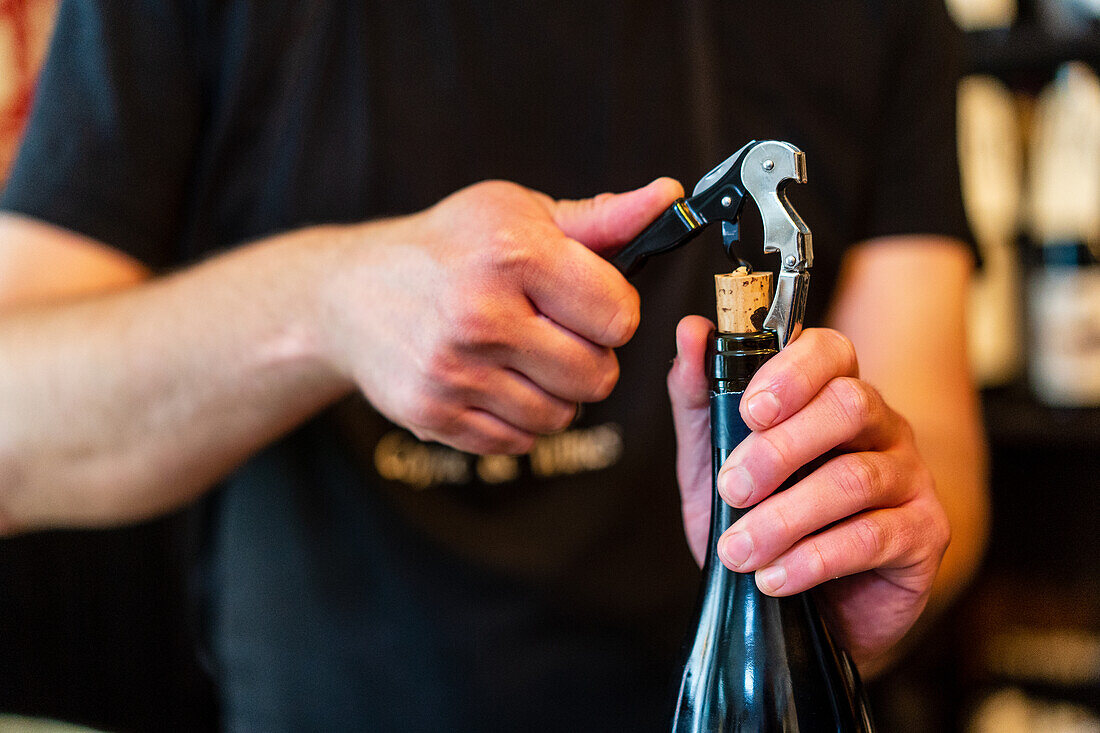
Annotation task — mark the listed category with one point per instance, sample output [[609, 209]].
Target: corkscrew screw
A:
[[762, 169]]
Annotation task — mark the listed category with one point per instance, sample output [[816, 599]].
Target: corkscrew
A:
[[761, 169]]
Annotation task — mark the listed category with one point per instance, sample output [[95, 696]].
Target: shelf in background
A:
[[1013, 418], [1044, 488], [1029, 50]]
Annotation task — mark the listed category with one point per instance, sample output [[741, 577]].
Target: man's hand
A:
[[479, 323], [866, 523], [483, 321]]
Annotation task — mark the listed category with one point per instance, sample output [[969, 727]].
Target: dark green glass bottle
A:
[[753, 662]]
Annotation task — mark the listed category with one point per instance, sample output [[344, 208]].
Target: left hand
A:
[[866, 523]]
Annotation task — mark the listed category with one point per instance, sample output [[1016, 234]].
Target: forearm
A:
[[118, 406], [956, 455]]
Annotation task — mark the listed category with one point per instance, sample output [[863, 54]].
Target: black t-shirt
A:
[[354, 578]]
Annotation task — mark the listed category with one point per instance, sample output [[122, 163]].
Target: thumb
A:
[[689, 392], [608, 221]]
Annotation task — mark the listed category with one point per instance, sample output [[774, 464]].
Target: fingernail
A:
[[763, 407], [737, 486], [771, 579], [736, 548]]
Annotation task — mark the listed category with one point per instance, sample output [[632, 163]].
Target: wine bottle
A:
[[1063, 295], [991, 170], [754, 662]]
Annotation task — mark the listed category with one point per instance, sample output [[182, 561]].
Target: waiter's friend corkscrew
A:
[[761, 169]]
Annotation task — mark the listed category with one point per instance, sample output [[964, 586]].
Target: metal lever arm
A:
[[766, 171]]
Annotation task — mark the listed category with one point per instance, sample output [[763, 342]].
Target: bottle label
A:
[[727, 427]]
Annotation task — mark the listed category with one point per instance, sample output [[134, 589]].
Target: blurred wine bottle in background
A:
[[973, 15], [991, 166], [1064, 222], [1069, 18]]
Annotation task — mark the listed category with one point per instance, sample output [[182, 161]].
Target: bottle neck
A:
[[733, 359]]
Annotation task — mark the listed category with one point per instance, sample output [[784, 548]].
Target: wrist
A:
[[347, 293], [298, 339]]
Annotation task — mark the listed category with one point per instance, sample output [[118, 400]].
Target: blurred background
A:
[[94, 626]]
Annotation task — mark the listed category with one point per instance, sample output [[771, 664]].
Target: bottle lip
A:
[[735, 357], [739, 342]]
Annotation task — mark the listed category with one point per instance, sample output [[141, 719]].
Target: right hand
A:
[[483, 321]]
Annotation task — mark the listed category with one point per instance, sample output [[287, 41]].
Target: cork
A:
[[743, 300]]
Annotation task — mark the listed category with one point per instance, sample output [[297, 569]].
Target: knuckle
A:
[[854, 400], [802, 379], [857, 477], [443, 367], [423, 413], [781, 523], [547, 416], [474, 436], [869, 537], [520, 446], [482, 445], [447, 375], [422, 434], [504, 254], [779, 446], [498, 445], [623, 321], [816, 564], [600, 199], [593, 210], [475, 443], [489, 187], [843, 347], [603, 381], [506, 248], [940, 528], [478, 324], [560, 418]]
